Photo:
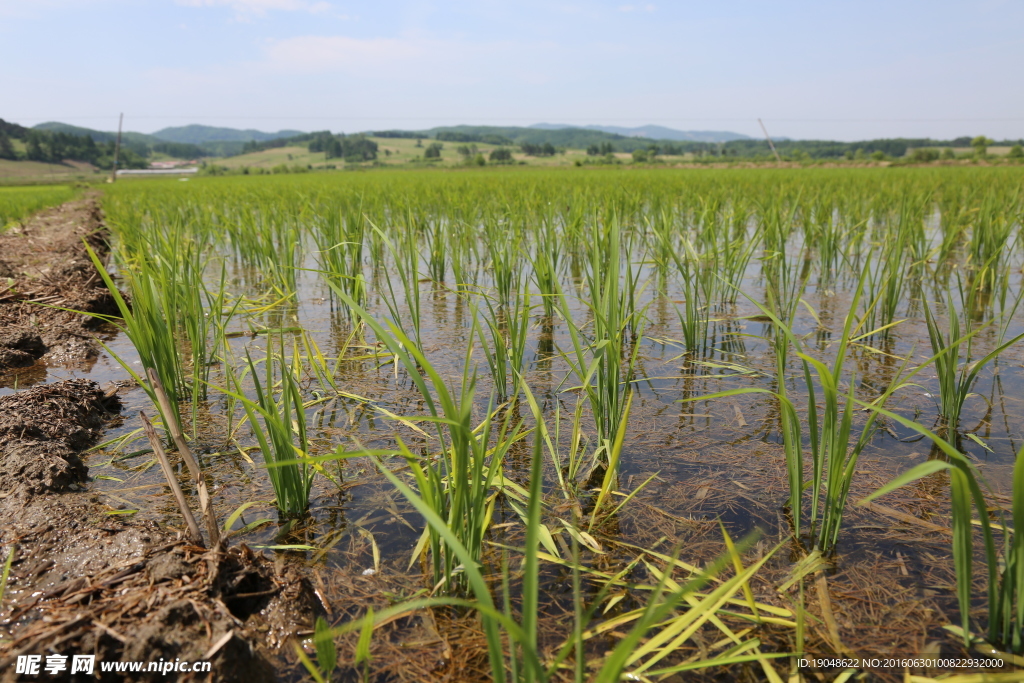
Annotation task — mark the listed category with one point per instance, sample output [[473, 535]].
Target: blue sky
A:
[[837, 70]]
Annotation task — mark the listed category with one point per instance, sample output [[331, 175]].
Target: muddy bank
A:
[[86, 580], [45, 261]]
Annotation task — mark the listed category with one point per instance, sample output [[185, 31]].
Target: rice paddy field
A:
[[595, 425], [16, 203]]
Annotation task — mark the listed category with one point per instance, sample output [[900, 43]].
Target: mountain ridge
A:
[[654, 132], [197, 134]]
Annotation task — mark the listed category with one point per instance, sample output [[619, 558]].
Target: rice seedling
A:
[[148, 323], [282, 435], [339, 243], [227, 255], [17, 203], [671, 616], [987, 248], [833, 460], [406, 262], [1005, 573], [506, 351], [885, 284], [459, 487], [603, 363], [546, 261], [955, 380], [695, 318], [504, 257]]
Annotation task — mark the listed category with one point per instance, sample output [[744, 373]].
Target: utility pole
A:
[[117, 150], [770, 143]]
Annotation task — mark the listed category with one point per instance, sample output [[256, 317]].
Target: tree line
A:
[[56, 147], [351, 148]]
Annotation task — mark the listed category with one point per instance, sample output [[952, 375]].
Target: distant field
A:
[[393, 151], [18, 202], [24, 170]]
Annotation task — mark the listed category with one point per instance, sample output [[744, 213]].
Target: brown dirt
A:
[[87, 579], [45, 262]]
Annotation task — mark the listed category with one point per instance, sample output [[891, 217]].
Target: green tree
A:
[[34, 147], [433, 151], [501, 155], [878, 155], [639, 156], [1016, 152], [356, 148], [924, 155], [980, 145], [948, 153], [6, 147]]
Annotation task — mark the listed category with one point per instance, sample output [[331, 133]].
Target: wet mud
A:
[[86, 581], [86, 578]]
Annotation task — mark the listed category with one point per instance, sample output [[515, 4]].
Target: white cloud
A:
[[637, 8], [261, 7]]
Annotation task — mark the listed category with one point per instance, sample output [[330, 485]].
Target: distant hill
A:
[[654, 132], [129, 137], [193, 134], [197, 134], [576, 138]]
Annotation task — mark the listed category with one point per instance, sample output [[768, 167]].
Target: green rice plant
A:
[[406, 262], [886, 284], [603, 362], [988, 246], [460, 486], [437, 256], [504, 256], [546, 260], [506, 350], [728, 263], [829, 430], [148, 324], [672, 614], [282, 435], [824, 235], [695, 319], [567, 469], [956, 380], [339, 243], [17, 203], [1005, 573], [784, 284]]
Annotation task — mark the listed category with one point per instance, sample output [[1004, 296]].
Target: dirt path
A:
[[45, 261], [86, 580]]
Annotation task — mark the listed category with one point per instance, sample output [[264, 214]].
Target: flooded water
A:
[[692, 462], [710, 459]]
